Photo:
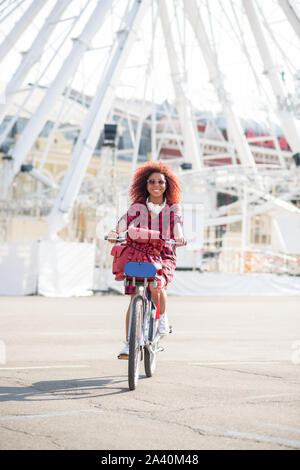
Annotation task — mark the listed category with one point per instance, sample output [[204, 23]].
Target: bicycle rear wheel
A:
[[135, 340], [150, 356]]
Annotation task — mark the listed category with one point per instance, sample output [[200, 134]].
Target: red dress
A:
[[139, 216]]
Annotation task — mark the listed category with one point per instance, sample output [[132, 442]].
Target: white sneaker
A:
[[163, 325], [124, 353]]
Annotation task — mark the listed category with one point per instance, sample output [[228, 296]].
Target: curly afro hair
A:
[[138, 189]]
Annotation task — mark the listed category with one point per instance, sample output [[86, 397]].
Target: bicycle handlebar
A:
[[123, 239], [118, 239], [174, 242]]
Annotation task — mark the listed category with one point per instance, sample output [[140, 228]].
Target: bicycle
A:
[[143, 336]]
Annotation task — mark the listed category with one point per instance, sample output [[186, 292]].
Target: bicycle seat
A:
[[139, 269]]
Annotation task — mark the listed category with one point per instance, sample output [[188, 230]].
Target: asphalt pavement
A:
[[229, 377]]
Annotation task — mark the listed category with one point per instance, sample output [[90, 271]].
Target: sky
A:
[[147, 73]]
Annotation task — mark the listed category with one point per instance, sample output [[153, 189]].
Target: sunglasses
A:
[[160, 182]]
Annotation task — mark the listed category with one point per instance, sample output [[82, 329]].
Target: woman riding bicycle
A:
[[155, 192]]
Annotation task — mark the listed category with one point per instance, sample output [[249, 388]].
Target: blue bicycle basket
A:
[[139, 269]]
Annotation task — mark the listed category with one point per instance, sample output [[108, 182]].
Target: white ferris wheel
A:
[[223, 62]]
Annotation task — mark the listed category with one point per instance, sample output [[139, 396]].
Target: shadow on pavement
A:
[[72, 389]]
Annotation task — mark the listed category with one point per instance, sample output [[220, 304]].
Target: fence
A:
[[233, 260]]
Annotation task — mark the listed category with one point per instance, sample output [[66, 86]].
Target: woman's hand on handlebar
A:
[[180, 241], [177, 242], [112, 237]]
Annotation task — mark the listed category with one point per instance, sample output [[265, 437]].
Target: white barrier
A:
[[53, 269], [194, 283], [60, 269], [65, 269], [231, 284], [18, 268]]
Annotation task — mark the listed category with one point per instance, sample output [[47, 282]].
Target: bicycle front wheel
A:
[[150, 356], [135, 341]]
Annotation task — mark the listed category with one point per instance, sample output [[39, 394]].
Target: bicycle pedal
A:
[[123, 357]]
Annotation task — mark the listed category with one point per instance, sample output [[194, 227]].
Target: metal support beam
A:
[[33, 54], [20, 27], [184, 108], [287, 120], [233, 124], [38, 120], [95, 120], [42, 178], [291, 14]]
